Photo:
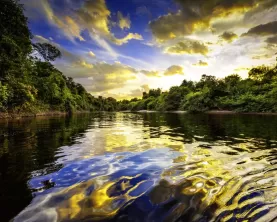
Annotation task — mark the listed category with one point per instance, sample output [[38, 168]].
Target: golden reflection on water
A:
[[197, 181]]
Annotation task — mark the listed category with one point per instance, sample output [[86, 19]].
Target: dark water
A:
[[139, 167]]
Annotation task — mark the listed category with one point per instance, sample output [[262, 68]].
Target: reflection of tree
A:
[[30, 145], [204, 127]]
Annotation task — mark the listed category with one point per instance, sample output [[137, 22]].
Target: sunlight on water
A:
[[160, 167]]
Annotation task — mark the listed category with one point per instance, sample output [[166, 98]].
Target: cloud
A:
[[263, 29], [143, 10], [91, 54], [90, 15], [272, 40], [201, 63], [228, 36], [137, 93], [188, 47], [150, 73], [123, 22], [169, 27], [264, 56], [174, 70], [101, 76], [196, 16], [145, 88], [84, 64], [127, 38], [96, 77], [64, 22]]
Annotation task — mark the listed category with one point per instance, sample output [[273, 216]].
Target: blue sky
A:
[[121, 48]]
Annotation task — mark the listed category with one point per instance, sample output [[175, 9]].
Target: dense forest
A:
[[30, 83], [257, 93]]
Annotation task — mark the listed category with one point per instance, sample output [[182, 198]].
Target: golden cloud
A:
[[150, 73], [188, 47], [228, 36], [264, 56], [110, 76], [127, 38], [91, 54], [174, 70], [170, 26], [196, 16], [70, 28], [85, 64], [145, 88], [123, 22], [201, 63], [93, 16]]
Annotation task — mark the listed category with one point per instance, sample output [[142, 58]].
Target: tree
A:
[[47, 51]]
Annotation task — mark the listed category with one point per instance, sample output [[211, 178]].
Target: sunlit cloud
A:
[[174, 70], [91, 54], [188, 47], [123, 22], [201, 63], [150, 73]]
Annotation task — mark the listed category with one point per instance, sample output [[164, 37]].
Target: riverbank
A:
[[59, 113], [12, 115], [207, 112]]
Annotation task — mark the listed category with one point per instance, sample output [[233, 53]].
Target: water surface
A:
[[139, 167]]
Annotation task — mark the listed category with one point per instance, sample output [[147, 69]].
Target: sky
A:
[[121, 48]]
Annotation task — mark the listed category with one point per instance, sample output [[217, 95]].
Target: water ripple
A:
[[135, 167]]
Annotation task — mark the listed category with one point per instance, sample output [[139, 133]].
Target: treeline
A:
[[257, 93], [28, 81]]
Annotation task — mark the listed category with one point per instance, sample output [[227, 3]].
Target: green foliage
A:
[[28, 84], [4, 95], [258, 93]]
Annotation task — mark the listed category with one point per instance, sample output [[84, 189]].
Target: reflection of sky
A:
[[109, 172]]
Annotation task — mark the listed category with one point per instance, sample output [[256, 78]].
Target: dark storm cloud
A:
[[197, 14], [228, 36], [263, 29]]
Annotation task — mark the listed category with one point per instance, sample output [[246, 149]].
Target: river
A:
[[139, 167]]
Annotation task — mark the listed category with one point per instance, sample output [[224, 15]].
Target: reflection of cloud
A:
[[188, 47], [174, 70]]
